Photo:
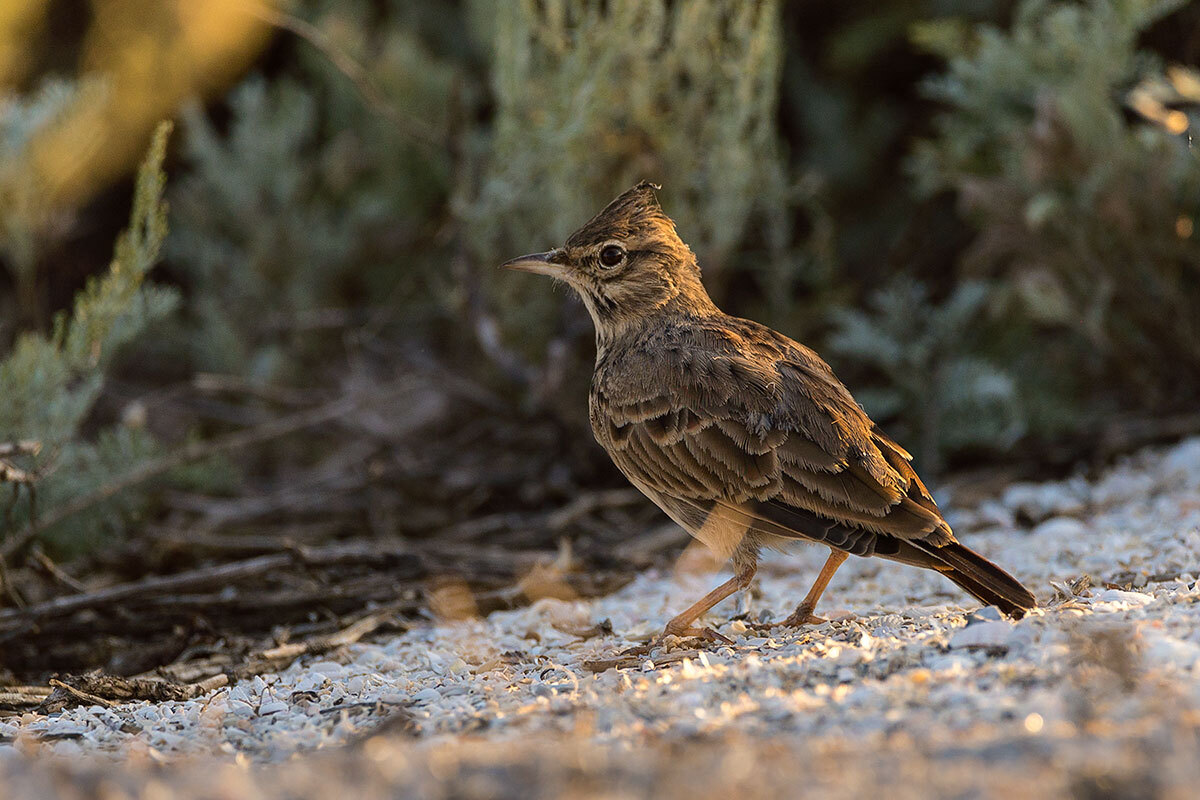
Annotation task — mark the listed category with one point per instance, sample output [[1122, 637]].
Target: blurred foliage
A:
[[592, 97], [946, 394], [311, 200], [27, 215], [51, 382], [153, 54], [72, 132], [1082, 211]]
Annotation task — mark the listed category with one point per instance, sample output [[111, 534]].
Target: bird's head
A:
[[627, 263]]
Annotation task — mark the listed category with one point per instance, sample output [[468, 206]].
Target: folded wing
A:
[[768, 438]]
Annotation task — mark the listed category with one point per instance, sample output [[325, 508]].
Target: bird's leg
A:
[[803, 615], [681, 625]]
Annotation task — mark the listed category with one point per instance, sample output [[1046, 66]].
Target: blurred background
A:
[[287, 334]]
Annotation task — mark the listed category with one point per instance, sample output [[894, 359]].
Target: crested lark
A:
[[741, 435]]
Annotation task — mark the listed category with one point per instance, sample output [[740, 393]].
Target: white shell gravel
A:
[[905, 650]]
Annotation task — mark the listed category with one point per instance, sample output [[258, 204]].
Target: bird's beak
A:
[[538, 263]]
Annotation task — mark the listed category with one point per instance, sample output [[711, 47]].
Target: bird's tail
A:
[[972, 572]]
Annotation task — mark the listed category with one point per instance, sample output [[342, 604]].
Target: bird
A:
[[742, 436]]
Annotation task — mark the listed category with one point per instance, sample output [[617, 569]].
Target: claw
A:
[[703, 634], [793, 621], [640, 649]]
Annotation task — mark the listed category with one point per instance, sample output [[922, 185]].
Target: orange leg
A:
[[681, 625], [803, 615]]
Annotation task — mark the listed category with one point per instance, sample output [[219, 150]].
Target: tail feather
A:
[[975, 574]]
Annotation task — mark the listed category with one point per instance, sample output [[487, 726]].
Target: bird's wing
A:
[[755, 433]]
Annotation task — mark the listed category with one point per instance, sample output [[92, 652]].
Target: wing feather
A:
[[762, 438]]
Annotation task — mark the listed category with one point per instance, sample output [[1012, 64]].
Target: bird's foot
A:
[[703, 634], [797, 619], [690, 635]]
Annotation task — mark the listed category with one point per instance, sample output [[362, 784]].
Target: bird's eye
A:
[[612, 255]]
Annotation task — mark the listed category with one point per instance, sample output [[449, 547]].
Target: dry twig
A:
[[417, 129], [176, 585], [56, 572], [195, 451], [110, 690]]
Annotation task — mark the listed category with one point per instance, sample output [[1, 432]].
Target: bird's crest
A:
[[635, 211]]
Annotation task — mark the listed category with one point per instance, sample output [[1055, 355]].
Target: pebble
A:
[[985, 614], [1181, 465], [1065, 528], [1037, 501], [1122, 487], [1125, 598], [328, 668], [991, 633], [1165, 649], [428, 695]]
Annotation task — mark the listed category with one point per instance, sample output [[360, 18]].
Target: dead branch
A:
[[273, 658], [11, 474], [8, 587], [590, 502], [109, 691], [54, 571], [220, 575], [148, 587], [55, 704], [417, 129], [195, 451], [277, 658], [27, 447], [637, 660], [21, 698], [232, 384]]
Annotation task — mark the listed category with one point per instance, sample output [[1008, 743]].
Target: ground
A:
[[910, 689]]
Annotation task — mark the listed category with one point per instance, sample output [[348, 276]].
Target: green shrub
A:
[[313, 198], [943, 391], [1083, 212], [29, 218], [592, 97], [50, 382]]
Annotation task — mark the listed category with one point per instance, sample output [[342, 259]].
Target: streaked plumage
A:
[[741, 435]]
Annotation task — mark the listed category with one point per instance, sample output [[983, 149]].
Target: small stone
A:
[[242, 709], [1061, 528], [330, 668], [147, 714], [1124, 598], [1122, 487], [273, 707], [1037, 502], [985, 614], [1164, 649], [993, 513], [992, 633], [427, 695], [1182, 463]]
